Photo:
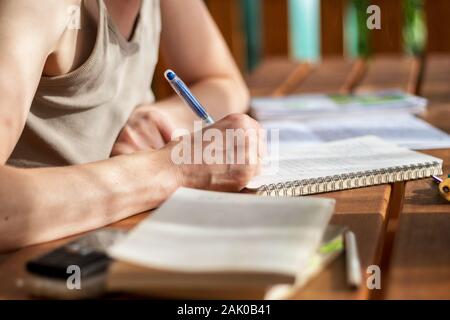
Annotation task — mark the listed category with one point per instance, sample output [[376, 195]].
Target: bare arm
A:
[[44, 204], [193, 46], [25, 44]]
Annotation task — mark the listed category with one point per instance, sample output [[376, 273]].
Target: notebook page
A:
[[401, 129], [202, 231], [337, 158]]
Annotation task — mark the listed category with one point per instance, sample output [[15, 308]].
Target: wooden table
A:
[[420, 260], [388, 234], [366, 210], [419, 267]]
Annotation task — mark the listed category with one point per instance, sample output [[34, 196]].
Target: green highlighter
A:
[[331, 247]]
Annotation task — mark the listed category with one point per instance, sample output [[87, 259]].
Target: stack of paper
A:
[[402, 129], [316, 118], [317, 105]]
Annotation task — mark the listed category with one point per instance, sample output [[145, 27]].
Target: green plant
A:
[[414, 27]]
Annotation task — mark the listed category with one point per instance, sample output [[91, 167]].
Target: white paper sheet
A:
[[402, 129]]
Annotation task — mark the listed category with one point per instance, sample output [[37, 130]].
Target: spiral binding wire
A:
[[351, 180]]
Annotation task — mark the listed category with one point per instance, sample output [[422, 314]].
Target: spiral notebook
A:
[[344, 164]]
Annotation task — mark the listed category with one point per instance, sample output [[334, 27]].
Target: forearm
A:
[[45, 204], [220, 96]]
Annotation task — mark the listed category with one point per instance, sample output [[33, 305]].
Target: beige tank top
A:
[[77, 117]]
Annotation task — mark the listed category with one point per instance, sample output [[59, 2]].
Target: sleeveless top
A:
[[76, 118]]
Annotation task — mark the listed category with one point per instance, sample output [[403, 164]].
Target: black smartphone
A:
[[76, 270]]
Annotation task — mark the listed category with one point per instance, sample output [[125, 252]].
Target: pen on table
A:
[[186, 95], [353, 265], [437, 179]]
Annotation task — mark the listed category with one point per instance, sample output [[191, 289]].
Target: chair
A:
[[311, 31], [307, 17]]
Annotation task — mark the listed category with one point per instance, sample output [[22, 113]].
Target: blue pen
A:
[[186, 95]]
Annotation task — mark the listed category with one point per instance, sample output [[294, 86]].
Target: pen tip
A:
[[170, 75]]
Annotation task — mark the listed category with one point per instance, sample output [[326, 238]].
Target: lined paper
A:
[[335, 159]]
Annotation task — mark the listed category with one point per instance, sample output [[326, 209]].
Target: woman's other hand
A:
[[147, 129]]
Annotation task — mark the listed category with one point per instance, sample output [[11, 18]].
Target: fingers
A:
[[242, 146], [165, 128], [129, 137], [152, 130], [122, 148], [150, 136], [145, 130], [155, 127]]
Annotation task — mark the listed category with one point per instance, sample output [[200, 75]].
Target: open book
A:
[[344, 164], [202, 240]]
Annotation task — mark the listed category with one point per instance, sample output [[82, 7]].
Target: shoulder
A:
[[44, 19]]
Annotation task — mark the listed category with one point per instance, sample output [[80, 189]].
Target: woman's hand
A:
[[147, 129], [222, 157]]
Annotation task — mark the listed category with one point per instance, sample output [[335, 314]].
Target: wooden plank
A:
[[364, 212], [387, 72], [269, 75], [421, 258], [388, 39], [161, 88], [228, 17], [436, 88], [437, 12], [287, 76], [437, 78], [328, 76], [275, 28], [420, 263], [422, 196], [393, 72], [331, 25], [300, 73]]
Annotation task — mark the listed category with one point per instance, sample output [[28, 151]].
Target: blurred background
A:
[[316, 30]]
